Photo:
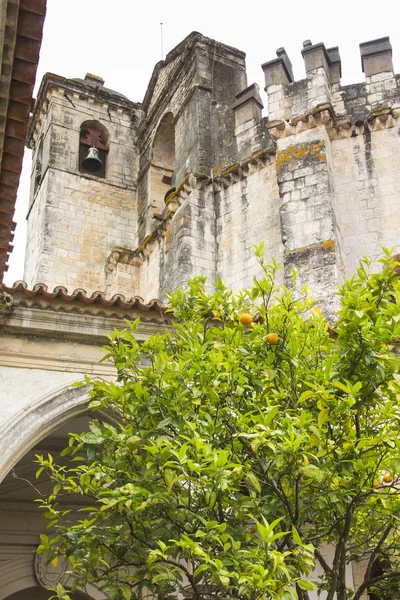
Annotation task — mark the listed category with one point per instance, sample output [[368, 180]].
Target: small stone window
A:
[[38, 174], [93, 135]]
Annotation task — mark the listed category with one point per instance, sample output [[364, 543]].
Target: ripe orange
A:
[[246, 319], [387, 478], [376, 484], [272, 339]]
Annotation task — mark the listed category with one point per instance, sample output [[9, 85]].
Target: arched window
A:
[[162, 162], [93, 135]]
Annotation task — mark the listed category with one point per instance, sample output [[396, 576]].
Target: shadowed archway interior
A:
[[21, 521], [38, 593]]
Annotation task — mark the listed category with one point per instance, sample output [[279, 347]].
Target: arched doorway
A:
[[38, 593], [32, 424], [21, 521]]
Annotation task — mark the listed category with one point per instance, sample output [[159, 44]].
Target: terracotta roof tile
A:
[[80, 296]]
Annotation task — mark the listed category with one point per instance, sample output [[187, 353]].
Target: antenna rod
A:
[[162, 42]]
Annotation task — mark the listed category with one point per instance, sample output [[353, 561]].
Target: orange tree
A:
[[238, 458]]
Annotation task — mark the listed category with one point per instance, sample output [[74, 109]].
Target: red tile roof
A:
[[80, 296], [29, 27]]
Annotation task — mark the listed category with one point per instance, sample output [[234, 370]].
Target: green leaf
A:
[[313, 472], [254, 481], [305, 585]]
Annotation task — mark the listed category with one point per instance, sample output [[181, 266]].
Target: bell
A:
[[173, 184], [92, 162]]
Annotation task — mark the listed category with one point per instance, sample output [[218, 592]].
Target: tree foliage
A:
[[230, 465]]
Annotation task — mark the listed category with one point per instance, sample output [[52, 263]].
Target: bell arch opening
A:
[[94, 141], [162, 180]]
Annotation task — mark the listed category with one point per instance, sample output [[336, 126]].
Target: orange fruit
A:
[[246, 319], [376, 483], [272, 339], [387, 478]]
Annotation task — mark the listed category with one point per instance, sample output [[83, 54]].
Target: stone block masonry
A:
[[197, 175], [306, 213]]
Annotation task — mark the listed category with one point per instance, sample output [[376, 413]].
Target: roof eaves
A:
[[23, 34]]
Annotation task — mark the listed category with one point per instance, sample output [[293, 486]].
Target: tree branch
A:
[[367, 584], [322, 562]]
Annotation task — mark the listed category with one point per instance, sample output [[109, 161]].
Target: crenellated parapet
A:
[[336, 161], [292, 102]]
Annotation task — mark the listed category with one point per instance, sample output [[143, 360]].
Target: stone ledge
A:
[[137, 256], [377, 119], [44, 320]]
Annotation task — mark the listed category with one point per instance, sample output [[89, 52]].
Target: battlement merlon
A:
[[292, 101], [376, 57]]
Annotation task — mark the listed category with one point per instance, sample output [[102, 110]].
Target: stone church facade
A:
[[187, 182]]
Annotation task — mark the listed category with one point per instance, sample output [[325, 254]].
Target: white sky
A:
[[120, 41]]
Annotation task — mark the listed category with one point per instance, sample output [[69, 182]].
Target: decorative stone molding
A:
[[384, 118], [50, 575], [34, 422], [6, 301]]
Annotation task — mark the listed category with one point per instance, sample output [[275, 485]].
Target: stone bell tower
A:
[[78, 209]]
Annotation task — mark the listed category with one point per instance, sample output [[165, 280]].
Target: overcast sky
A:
[[120, 41]]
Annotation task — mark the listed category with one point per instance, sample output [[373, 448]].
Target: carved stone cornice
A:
[[337, 128]]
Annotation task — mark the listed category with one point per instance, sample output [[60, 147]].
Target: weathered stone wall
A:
[[75, 218], [316, 180], [337, 162], [79, 221], [368, 193], [247, 213], [199, 89], [45, 346]]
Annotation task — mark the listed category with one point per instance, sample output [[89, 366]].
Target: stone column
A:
[[317, 66], [278, 74], [377, 64], [249, 132]]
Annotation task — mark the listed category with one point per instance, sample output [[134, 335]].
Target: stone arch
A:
[[162, 164], [163, 151], [38, 593], [94, 134], [18, 574], [20, 577], [34, 423]]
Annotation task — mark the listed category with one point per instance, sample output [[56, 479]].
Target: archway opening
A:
[[162, 163], [22, 522], [39, 593], [93, 135]]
